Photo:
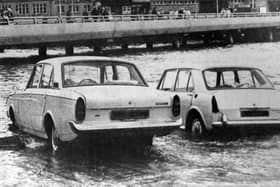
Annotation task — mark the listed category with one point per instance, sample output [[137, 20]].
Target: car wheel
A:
[[53, 139], [147, 141], [13, 126], [197, 128]]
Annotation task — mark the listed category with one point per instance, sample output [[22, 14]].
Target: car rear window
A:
[[100, 73], [236, 78]]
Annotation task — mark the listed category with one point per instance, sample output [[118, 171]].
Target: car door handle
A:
[[192, 95]]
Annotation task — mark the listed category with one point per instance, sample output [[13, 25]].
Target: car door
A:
[[184, 87], [38, 98], [26, 108]]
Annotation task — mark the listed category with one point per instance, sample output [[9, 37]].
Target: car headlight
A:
[[176, 106], [80, 110]]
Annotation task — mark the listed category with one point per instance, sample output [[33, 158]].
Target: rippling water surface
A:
[[242, 160]]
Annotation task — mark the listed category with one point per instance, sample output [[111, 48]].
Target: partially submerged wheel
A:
[[197, 128], [147, 141], [53, 139], [13, 126]]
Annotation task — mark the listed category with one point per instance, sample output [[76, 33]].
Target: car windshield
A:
[[91, 73], [236, 78]]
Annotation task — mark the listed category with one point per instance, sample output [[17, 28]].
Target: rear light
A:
[[176, 106], [215, 108], [80, 110]]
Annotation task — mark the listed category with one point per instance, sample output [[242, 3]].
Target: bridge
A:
[[97, 31]]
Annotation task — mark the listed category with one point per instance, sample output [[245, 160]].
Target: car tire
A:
[[13, 126], [197, 129], [53, 139], [147, 141]]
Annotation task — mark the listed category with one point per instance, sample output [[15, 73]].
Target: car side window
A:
[[228, 77], [182, 81], [190, 87], [211, 78], [35, 77], [168, 80], [108, 73], [47, 77], [123, 73]]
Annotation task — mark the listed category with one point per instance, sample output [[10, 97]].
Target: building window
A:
[[22, 9], [126, 9], [39, 8]]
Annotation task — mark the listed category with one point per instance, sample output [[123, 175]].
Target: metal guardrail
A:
[[122, 18]]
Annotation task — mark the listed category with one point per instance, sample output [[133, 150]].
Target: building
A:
[[76, 7], [274, 5], [166, 6], [207, 6], [46, 7], [126, 7]]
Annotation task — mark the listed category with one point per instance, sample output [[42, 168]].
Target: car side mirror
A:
[[56, 85]]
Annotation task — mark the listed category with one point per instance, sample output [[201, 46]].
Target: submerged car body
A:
[[68, 97], [215, 96]]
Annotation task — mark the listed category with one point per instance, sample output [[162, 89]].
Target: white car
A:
[[222, 97], [70, 97]]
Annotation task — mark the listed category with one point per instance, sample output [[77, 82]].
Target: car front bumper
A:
[[126, 127], [251, 123]]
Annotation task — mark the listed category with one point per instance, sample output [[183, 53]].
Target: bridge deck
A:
[[43, 30]]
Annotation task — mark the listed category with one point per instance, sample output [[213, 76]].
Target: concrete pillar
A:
[[270, 35], [97, 49], [206, 37], [184, 42], [177, 43], [125, 46], [43, 51], [69, 50], [231, 39], [250, 35], [149, 45]]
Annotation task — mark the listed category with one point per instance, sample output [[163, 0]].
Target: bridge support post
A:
[[177, 44], [69, 50], [184, 42], [124, 46], [270, 35], [43, 51], [231, 38], [250, 35], [97, 49], [149, 45]]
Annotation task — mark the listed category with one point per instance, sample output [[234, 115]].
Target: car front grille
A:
[[127, 115]]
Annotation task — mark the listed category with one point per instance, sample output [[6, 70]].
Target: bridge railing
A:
[[123, 18]]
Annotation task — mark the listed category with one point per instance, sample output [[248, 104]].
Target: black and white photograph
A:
[[140, 93]]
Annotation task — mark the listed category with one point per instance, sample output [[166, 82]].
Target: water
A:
[[242, 160]]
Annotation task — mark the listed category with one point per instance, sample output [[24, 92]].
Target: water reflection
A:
[[174, 159]]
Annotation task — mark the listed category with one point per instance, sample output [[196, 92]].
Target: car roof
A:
[[61, 60], [202, 67]]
